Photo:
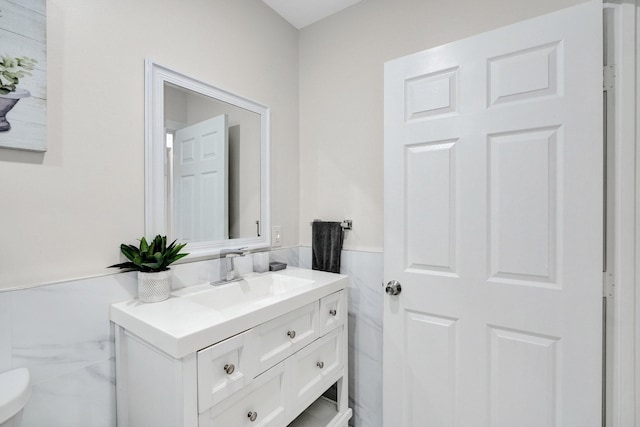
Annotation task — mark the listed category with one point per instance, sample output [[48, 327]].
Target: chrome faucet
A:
[[228, 272]]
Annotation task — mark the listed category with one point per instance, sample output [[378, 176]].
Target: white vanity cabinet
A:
[[273, 374]]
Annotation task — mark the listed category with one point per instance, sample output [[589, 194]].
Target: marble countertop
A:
[[185, 323]]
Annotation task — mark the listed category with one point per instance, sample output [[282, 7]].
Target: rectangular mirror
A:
[[207, 164]]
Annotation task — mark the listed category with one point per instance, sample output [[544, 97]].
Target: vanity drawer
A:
[[281, 337], [222, 370], [316, 367], [333, 311], [263, 400]]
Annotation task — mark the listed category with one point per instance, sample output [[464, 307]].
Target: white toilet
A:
[[15, 390]]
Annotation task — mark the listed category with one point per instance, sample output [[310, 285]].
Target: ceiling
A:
[[301, 13]]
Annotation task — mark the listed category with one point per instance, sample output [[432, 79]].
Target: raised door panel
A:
[[524, 379], [430, 376], [525, 75], [524, 206], [430, 176], [431, 95]]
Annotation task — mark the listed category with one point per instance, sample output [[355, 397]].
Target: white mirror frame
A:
[[155, 182]]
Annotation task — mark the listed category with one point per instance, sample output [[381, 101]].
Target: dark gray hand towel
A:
[[326, 245]]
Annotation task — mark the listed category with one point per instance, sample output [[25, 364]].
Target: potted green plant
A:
[[151, 261], [12, 69]]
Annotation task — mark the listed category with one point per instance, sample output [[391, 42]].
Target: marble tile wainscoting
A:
[[365, 271], [62, 334]]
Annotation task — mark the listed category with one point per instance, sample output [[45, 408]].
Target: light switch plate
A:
[[276, 236]]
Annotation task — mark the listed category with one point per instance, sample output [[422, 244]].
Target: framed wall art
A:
[[23, 74]]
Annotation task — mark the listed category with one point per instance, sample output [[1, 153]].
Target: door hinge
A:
[[608, 285], [609, 77]]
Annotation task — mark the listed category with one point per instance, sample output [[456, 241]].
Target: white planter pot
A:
[[154, 287]]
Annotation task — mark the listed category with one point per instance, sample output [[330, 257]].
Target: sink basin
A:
[[248, 292], [196, 316]]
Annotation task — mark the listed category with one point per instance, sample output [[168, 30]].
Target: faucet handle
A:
[[228, 253]]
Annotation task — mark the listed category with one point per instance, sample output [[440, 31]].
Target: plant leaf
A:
[[127, 265], [154, 266], [144, 246], [179, 256], [129, 252]]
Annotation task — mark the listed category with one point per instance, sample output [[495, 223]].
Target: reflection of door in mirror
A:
[[200, 176], [196, 209]]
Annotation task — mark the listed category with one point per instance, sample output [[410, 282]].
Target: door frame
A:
[[623, 350]]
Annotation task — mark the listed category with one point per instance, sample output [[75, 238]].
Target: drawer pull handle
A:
[[291, 334], [252, 415], [229, 368], [333, 312], [320, 365]]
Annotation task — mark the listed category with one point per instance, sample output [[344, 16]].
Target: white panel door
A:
[[200, 181], [493, 227]]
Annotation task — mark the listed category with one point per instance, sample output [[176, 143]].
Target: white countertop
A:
[[180, 325]]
